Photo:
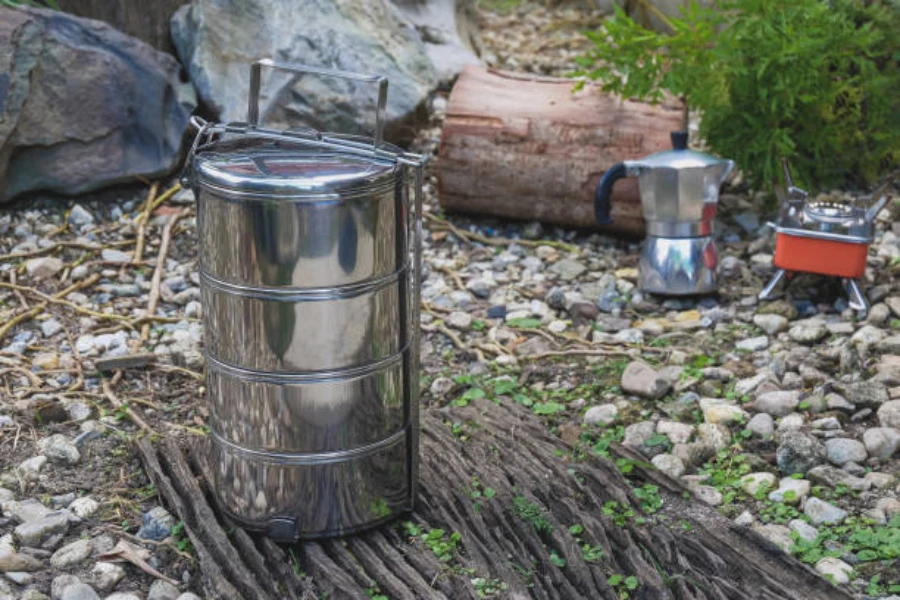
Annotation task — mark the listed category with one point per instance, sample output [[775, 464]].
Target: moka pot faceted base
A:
[[683, 266]]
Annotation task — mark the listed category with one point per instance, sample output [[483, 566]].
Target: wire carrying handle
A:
[[256, 80]]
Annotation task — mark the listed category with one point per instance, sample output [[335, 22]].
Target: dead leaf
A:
[[128, 552]]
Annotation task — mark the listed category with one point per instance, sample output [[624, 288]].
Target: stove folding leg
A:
[[858, 301], [766, 293]]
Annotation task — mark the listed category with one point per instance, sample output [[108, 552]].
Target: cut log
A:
[[517, 539], [529, 148]]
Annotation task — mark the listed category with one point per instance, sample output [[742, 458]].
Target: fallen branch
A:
[[114, 400], [142, 223], [58, 245], [160, 267]]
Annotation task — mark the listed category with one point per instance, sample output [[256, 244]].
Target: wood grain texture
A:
[[687, 551], [529, 148]]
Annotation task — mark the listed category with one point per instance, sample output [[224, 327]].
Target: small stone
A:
[[163, 590], [797, 453], [50, 327], [124, 596], [762, 425], [708, 494], [890, 506], [46, 361], [115, 256], [459, 320], [777, 534], [43, 267], [779, 307], [771, 324], [889, 414], [841, 451], [791, 491], [821, 512], [190, 596], [757, 482], [106, 576], [808, 333], [834, 570], [641, 380], [803, 529], [84, 507], [746, 386], [837, 402], [71, 554], [28, 510], [714, 435], [871, 394], [791, 422], [867, 335], [879, 481], [568, 269], [603, 414], [777, 404], [156, 524], [80, 216], [745, 519], [35, 532], [637, 433], [79, 591], [669, 464], [754, 344], [832, 476], [60, 449], [33, 465], [678, 433], [442, 386], [19, 577], [826, 424], [11, 561], [693, 454], [721, 412]]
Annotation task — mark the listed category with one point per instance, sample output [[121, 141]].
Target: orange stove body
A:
[[821, 255]]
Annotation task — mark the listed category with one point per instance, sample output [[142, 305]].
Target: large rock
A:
[[218, 39], [83, 106]]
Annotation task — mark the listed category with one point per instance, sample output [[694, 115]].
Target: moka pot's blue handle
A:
[[604, 193]]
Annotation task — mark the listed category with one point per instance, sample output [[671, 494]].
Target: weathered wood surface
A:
[[522, 147], [147, 20], [693, 554]]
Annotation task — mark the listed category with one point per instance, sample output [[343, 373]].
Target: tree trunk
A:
[[147, 21], [516, 538], [522, 147]]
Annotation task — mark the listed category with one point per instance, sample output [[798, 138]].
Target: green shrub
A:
[[813, 81]]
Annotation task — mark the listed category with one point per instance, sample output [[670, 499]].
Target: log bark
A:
[[523, 147], [516, 539]]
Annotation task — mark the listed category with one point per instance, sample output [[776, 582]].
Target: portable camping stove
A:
[[826, 237]]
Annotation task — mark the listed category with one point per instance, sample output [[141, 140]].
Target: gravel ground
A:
[[784, 414]]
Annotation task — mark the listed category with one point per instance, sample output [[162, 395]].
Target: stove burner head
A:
[[830, 212]]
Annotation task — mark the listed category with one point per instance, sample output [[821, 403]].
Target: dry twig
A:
[[157, 273], [142, 224], [441, 224], [114, 400]]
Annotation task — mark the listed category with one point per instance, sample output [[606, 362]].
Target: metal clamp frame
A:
[[256, 79]]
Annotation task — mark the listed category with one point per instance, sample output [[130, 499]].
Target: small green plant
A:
[[620, 513], [181, 539], [623, 585], [477, 493], [524, 323], [442, 545], [531, 513], [488, 588], [811, 81], [648, 496]]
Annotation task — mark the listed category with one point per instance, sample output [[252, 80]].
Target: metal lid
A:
[[680, 159], [270, 168]]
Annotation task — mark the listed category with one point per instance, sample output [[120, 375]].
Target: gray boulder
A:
[[84, 106], [218, 39]]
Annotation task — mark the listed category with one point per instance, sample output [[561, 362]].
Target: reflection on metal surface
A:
[[309, 254], [678, 266]]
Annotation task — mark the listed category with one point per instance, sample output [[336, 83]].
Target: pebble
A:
[[771, 323], [669, 464], [641, 380], [791, 422], [46, 361], [841, 451], [156, 524], [79, 591], [834, 569], [790, 490], [637, 433], [777, 534], [762, 425], [808, 334], [820, 512], [603, 414], [832, 476], [568, 269], [722, 412], [889, 414], [714, 435], [43, 267], [708, 494], [754, 344], [798, 453], [34, 533], [163, 590], [777, 404], [459, 320], [757, 482], [60, 449], [803, 529], [71, 554], [115, 256], [105, 576], [678, 433]]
